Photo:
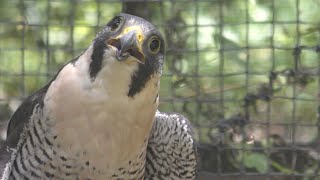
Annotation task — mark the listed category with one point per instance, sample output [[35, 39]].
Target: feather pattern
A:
[[171, 152]]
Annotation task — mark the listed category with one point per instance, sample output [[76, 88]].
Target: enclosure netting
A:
[[244, 72]]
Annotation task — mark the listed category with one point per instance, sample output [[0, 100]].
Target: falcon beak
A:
[[127, 45]]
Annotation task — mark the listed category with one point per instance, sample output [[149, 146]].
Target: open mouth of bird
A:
[[123, 54]]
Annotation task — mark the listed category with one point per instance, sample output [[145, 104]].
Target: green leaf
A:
[[257, 161]]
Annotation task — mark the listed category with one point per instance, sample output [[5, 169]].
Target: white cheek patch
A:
[[109, 55]]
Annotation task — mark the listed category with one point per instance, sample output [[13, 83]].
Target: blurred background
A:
[[245, 72]]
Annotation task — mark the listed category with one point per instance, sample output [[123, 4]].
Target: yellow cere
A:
[[140, 36]]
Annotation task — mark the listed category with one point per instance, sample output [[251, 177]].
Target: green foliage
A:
[[225, 59], [257, 161]]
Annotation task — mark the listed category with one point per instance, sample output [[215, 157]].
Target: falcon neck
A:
[[96, 118]]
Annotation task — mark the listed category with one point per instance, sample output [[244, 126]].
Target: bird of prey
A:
[[98, 118]]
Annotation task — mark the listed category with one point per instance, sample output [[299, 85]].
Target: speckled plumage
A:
[[38, 156], [171, 152], [97, 118]]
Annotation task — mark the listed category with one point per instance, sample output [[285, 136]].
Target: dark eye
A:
[[154, 44], [116, 23]]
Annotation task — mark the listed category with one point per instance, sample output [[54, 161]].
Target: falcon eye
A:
[[116, 24], [154, 44]]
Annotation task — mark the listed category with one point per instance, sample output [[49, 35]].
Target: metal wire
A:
[[236, 113]]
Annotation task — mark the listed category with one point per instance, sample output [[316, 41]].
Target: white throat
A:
[[98, 116]]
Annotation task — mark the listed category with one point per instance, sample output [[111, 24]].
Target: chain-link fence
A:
[[245, 72]]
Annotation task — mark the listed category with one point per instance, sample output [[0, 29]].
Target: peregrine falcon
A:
[[98, 118]]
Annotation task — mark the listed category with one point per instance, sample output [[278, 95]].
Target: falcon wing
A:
[[16, 124], [171, 151]]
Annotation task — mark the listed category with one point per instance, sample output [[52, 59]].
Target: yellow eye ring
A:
[[154, 44]]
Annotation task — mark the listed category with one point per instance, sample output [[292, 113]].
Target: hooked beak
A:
[[127, 45]]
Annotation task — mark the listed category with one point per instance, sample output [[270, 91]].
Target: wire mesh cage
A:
[[245, 72]]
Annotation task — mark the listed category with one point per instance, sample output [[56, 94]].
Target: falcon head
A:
[[133, 43]]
